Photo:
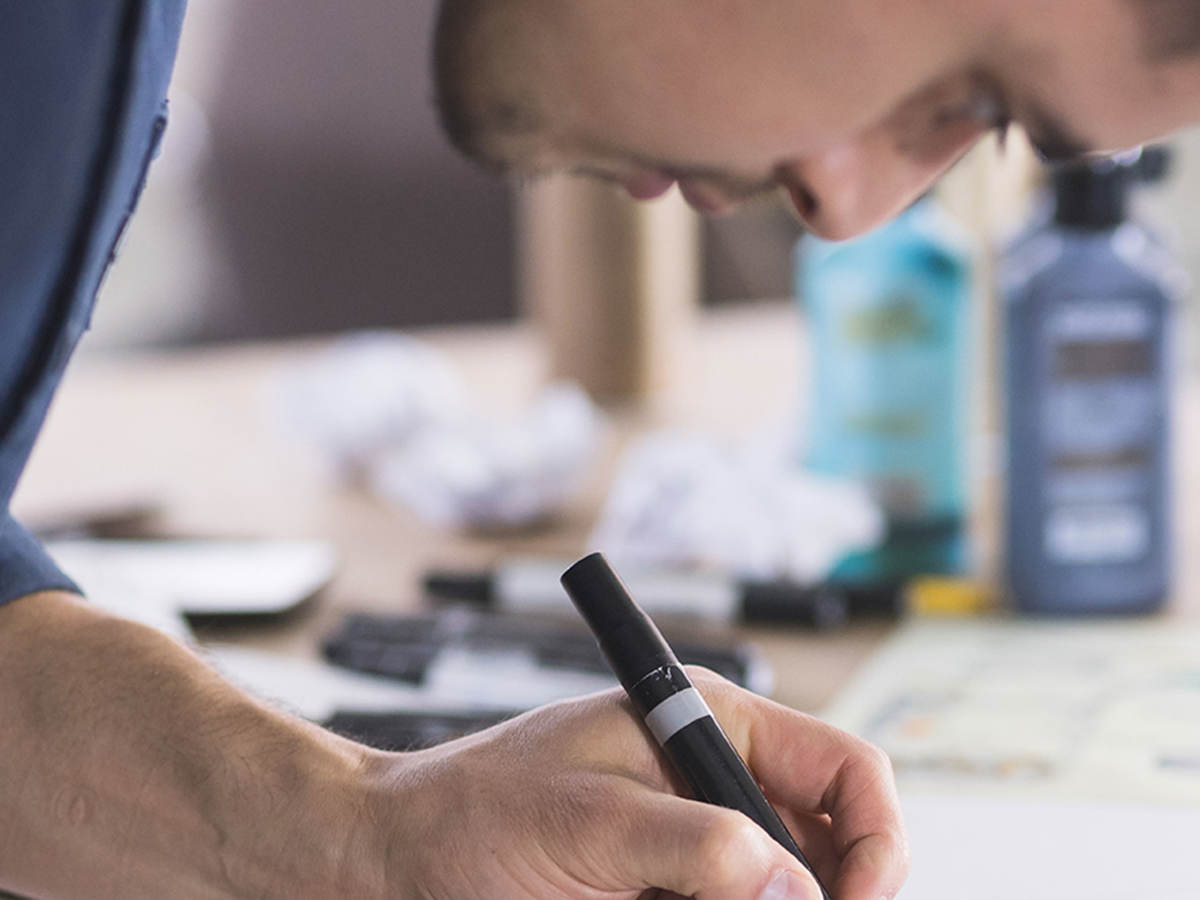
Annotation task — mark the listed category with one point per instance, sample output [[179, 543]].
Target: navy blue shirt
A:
[[82, 107]]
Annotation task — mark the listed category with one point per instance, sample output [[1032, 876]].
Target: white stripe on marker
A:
[[675, 713]]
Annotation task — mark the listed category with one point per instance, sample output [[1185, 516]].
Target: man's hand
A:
[[128, 770], [573, 801]]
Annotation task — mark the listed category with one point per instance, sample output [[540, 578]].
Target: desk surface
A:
[[196, 432]]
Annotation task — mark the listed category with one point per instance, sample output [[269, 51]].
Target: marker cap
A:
[[629, 640]]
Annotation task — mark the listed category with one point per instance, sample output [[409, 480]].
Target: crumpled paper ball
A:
[[393, 411], [688, 501]]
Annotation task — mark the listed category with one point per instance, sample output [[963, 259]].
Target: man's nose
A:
[[850, 188]]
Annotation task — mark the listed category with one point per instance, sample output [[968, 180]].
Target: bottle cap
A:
[[945, 596], [1092, 195]]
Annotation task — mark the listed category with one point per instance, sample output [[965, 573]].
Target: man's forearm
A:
[[121, 753]]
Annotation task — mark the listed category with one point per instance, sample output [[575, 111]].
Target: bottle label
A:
[[1100, 416], [1097, 534], [888, 392]]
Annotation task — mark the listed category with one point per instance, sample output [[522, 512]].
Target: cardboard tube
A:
[[611, 283]]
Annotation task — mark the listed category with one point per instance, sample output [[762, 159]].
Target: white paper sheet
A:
[[1040, 760], [976, 848]]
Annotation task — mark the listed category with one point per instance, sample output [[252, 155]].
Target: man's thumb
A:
[[710, 853]]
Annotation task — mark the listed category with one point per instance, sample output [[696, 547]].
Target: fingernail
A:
[[787, 885]]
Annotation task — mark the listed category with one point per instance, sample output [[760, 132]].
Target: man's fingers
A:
[[809, 766], [869, 868], [697, 850], [812, 832], [867, 832]]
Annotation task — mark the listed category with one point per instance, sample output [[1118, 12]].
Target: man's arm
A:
[[128, 769]]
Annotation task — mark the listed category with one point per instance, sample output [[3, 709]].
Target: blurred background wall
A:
[[305, 186]]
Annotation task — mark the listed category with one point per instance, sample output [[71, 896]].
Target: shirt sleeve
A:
[[82, 110], [25, 567]]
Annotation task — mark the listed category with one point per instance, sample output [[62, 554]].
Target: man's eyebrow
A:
[[603, 150], [1051, 137], [722, 175]]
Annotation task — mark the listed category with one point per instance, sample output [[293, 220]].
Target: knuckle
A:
[[866, 760], [728, 841], [712, 685], [716, 688], [702, 673], [878, 761]]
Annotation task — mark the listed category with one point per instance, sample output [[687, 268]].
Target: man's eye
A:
[[982, 106]]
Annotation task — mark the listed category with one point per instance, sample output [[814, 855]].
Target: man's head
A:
[[854, 106]]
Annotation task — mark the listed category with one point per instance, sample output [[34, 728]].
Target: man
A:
[[129, 770]]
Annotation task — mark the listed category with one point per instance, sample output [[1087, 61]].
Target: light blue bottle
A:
[[888, 319], [1087, 299]]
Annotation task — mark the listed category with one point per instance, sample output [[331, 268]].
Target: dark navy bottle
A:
[[1088, 297]]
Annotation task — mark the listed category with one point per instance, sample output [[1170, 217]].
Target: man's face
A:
[[853, 106]]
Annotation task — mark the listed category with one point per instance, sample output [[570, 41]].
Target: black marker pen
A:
[[663, 695]]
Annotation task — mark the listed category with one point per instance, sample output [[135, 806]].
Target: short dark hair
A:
[[1170, 28], [449, 64], [469, 113]]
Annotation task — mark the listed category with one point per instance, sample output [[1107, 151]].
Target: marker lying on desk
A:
[[471, 654], [531, 585], [673, 710]]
